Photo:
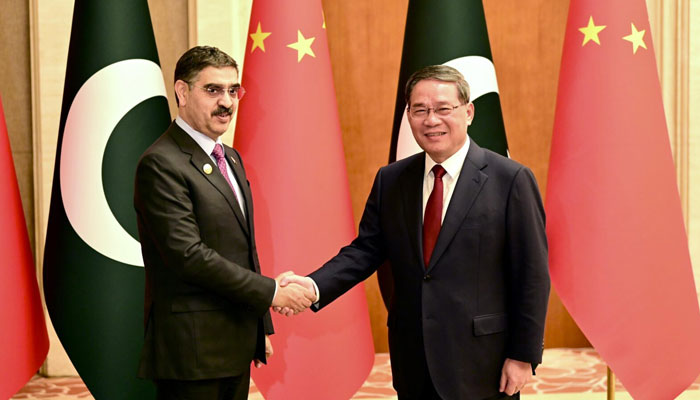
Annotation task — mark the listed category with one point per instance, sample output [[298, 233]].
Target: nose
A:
[[431, 119], [227, 100]]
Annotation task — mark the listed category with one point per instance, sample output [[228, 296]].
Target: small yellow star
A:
[[636, 38], [258, 39], [323, 14], [591, 31], [302, 46]]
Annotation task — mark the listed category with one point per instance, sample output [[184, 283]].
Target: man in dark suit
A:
[[207, 306], [464, 231]]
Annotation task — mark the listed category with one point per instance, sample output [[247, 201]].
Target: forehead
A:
[[432, 91], [225, 76]]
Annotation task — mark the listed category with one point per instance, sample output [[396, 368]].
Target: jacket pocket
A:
[[490, 324]]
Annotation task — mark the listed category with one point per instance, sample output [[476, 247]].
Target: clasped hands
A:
[[294, 294]]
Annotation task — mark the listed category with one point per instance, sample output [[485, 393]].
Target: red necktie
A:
[[432, 220], [218, 154]]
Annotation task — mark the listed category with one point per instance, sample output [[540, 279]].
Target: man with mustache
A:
[[207, 306]]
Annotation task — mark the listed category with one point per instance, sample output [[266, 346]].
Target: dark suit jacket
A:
[[483, 297], [207, 306]]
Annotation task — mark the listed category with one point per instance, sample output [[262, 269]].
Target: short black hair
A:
[[196, 59]]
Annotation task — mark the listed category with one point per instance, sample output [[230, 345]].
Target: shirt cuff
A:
[[316, 291]]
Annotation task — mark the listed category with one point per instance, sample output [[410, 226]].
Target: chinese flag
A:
[[23, 341], [618, 248], [289, 136]]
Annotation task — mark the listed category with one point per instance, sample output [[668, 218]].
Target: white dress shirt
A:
[[453, 167], [207, 145]]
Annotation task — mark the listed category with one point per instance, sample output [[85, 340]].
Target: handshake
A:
[[294, 294]]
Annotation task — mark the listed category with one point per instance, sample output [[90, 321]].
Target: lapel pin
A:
[[207, 169], [233, 161]]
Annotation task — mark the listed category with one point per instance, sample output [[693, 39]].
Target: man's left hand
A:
[[514, 376], [268, 352]]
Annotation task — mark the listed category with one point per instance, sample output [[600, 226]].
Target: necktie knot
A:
[[438, 171], [218, 152]]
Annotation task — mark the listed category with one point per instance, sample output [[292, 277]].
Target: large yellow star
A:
[[591, 31], [637, 39], [302, 46], [259, 39]]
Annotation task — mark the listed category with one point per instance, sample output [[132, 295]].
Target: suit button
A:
[[427, 277]]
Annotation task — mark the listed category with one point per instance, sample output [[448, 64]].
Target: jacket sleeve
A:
[[528, 271], [358, 260]]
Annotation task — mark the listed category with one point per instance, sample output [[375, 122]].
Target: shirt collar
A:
[[204, 141], [453, 165]]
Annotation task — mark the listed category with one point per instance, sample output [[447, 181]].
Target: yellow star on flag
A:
[[258, 39], [591, 31], [324, 19], [302, 46], [636, 38]]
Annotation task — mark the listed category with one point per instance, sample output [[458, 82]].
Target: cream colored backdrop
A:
[[179, 24], [694, 140]]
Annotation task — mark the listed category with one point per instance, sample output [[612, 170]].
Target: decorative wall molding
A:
[[670, 30]]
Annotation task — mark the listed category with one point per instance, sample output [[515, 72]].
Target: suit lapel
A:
[[411, 183], [199, 160], [471, 181], [234, 161]]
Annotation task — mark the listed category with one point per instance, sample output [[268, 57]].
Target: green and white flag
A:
[[114, 107], [450, 32]]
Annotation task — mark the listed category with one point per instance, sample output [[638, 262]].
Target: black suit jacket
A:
[[207, 306], [484, 295]]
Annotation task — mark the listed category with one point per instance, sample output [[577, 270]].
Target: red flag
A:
[[618, 248], [23, 338], [290, 139]]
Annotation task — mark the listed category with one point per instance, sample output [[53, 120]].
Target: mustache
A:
[[222, 111]]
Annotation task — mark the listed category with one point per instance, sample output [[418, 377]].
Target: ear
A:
[[470, 113], [182, 89]]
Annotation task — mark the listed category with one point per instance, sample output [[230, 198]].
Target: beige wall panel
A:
[[694, 141], [52, 29], [675, 27], [15, 89]]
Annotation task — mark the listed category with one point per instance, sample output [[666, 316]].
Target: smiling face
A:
[[439, 136], [206, 114]]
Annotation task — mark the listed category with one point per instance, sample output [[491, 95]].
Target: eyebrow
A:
[[235, 85], [436, 105]]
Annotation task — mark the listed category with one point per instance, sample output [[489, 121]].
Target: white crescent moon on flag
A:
[[481, 76], [96, 110]]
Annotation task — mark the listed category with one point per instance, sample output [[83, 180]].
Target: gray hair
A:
[[440, 73]]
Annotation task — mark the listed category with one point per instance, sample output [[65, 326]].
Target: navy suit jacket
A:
[[483, 297]]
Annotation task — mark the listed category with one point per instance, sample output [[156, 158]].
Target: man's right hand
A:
[[292, 296]]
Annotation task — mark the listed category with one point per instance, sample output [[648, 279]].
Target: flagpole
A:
[[611, 385]]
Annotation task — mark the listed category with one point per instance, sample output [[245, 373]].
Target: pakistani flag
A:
[[450, 32], [114, 107]]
